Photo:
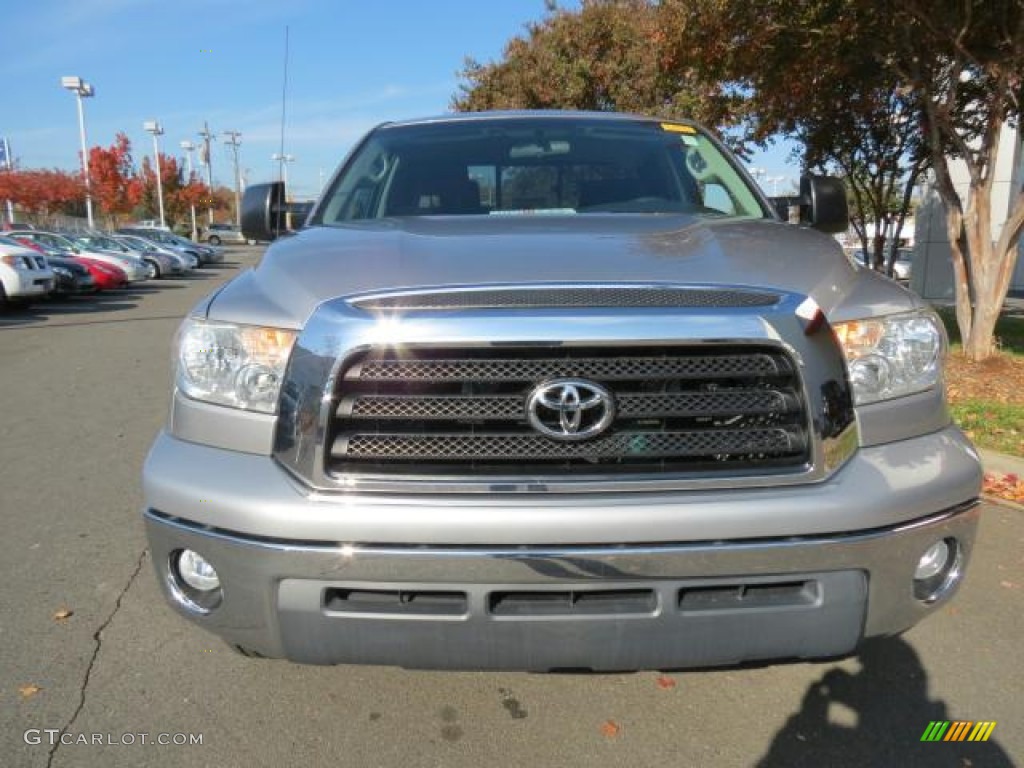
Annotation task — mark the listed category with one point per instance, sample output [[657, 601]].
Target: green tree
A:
[[876, 90], [608, 55], [965, 60], [810, 67]]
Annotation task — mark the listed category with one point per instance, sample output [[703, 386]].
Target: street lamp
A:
[[188, 146], [153, 127], [775, 183], [82, 90]]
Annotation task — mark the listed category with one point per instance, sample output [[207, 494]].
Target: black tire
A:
[[213, 240], [154, 273]]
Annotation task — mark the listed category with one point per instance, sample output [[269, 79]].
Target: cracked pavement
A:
[[97, 647], [83, 392]]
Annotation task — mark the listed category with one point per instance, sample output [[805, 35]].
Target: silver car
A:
[[224, 234], [181, 262]]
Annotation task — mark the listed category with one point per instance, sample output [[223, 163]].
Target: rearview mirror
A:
[[263, 211], [822, 204]]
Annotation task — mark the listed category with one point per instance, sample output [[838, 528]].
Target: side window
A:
[[717, 196], [359, 193]]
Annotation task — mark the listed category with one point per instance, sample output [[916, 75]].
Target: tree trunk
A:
[[991, 268]]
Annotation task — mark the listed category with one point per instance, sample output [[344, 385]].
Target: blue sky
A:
[[351, 65]]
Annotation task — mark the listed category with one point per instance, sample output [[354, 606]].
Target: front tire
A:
[[152, 270], [213, 240]]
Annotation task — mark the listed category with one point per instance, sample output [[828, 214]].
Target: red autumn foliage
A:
[[115, 187], [41, 191], [179, 193], [1009, 487]]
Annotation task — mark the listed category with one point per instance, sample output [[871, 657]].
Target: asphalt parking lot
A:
[[93, 663]]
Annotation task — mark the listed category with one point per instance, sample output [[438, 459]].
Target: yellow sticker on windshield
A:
[[675, 128]]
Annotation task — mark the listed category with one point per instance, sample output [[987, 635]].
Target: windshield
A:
[[523, 166]]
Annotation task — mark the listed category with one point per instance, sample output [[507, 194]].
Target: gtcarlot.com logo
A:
[[959, 730], [53, 737]]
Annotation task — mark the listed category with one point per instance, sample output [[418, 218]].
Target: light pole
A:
[[775, 183], [234, 140], [188, 146], [82, 90], [8, 164], [153, 127], [207, 160]]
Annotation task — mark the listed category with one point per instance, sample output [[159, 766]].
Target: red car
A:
[[106, 276]]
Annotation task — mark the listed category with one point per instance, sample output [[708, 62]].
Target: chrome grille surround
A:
[[341, 339]]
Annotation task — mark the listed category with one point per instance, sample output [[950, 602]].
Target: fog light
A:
[[193, 582], [196, 572], [938, 570]]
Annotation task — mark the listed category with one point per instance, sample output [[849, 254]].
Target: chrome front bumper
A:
[[550, 607]]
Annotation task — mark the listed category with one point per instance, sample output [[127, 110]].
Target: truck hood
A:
[[301, 271]]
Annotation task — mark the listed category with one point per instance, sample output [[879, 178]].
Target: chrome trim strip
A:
[[609, 553]]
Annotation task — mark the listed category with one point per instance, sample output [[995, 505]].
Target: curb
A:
[[1002, 463], [1000, 502]]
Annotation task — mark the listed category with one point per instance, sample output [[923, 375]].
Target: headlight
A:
[[892, 356], [236, 365]]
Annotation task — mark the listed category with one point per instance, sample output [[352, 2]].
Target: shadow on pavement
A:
[[52, 312], [876, 717]]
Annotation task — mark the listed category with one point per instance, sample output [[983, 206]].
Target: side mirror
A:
[[263, 211], [821, 203]]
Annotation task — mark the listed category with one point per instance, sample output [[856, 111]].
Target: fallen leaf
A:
[[610, 729], [28, 690], [1007, 584], [665, 682], [63, 613]]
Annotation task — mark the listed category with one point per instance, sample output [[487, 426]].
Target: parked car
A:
[[557, 390], [159, 264], [219, 234], [204, 254], [70, 277], [25, 275], [138, 245], [135, 269], [105, 276], [901, 267]]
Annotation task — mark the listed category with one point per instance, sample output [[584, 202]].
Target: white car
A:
[[24, 275], [903, 265], [135, 269]]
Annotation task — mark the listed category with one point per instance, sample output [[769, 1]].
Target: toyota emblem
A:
[[570, 409]]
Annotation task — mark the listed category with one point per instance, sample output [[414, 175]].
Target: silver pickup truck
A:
[[557, 391]]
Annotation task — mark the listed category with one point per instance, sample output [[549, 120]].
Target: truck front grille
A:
[[677, 409]]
